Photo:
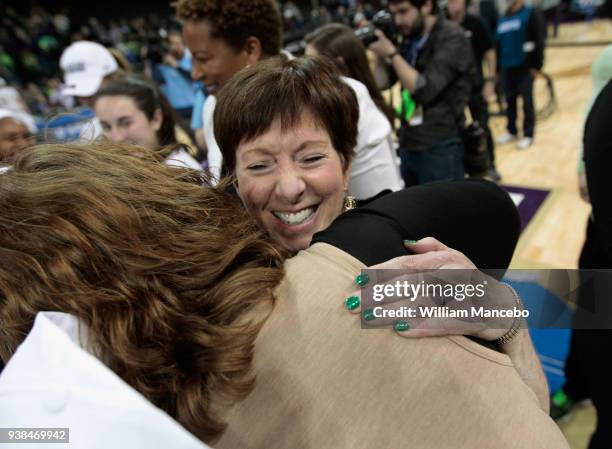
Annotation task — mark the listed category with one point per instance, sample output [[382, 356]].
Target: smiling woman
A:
[[290, 153], [292, 182], [219, 41], [225, 36], [291, 157], [189, 302], [131, 110]]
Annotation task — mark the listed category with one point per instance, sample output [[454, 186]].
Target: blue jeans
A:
[[440, 162]]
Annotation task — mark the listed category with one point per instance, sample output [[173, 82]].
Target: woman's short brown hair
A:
[[283, 88], [172, 280]]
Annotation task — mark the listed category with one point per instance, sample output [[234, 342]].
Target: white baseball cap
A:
[[85, 64]]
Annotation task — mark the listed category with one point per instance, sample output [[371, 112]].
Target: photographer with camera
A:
[[433, 60]]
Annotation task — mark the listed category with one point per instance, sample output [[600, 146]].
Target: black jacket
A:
[[446, 72], [597, 143]]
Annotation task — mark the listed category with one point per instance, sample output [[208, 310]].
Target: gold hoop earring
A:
[[349, 203]]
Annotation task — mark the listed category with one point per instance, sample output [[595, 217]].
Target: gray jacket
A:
[[446, 72]]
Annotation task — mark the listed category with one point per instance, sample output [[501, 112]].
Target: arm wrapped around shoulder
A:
[[474, 217]]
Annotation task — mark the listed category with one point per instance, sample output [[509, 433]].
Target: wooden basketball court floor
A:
[[554, 237]]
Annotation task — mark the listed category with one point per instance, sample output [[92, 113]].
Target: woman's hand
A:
[[434, 255]]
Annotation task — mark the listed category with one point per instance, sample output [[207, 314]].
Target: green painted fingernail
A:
[[352, 302], [401, 326], [410, 242], [362, 279], [368, 314]]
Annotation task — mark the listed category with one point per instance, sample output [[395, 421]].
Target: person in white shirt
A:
[[132, 110], [339, 43], [179, 293], [226, 36], [116, 232], [54, 380]]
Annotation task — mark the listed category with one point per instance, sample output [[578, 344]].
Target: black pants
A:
[[553, 15], [479, 109], [588, 377], [586, 372], [518, 81]]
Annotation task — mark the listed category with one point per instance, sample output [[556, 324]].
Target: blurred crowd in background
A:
[[31, 45], [31, 79]]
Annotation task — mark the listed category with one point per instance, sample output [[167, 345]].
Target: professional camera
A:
[[383, 21]]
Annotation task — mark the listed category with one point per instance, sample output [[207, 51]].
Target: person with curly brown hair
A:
[[160, 271], [225, 36]]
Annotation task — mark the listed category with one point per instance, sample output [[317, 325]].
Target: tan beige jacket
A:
[[323, 382]]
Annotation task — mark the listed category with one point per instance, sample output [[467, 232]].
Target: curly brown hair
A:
[[172, 279], [236, 20]]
